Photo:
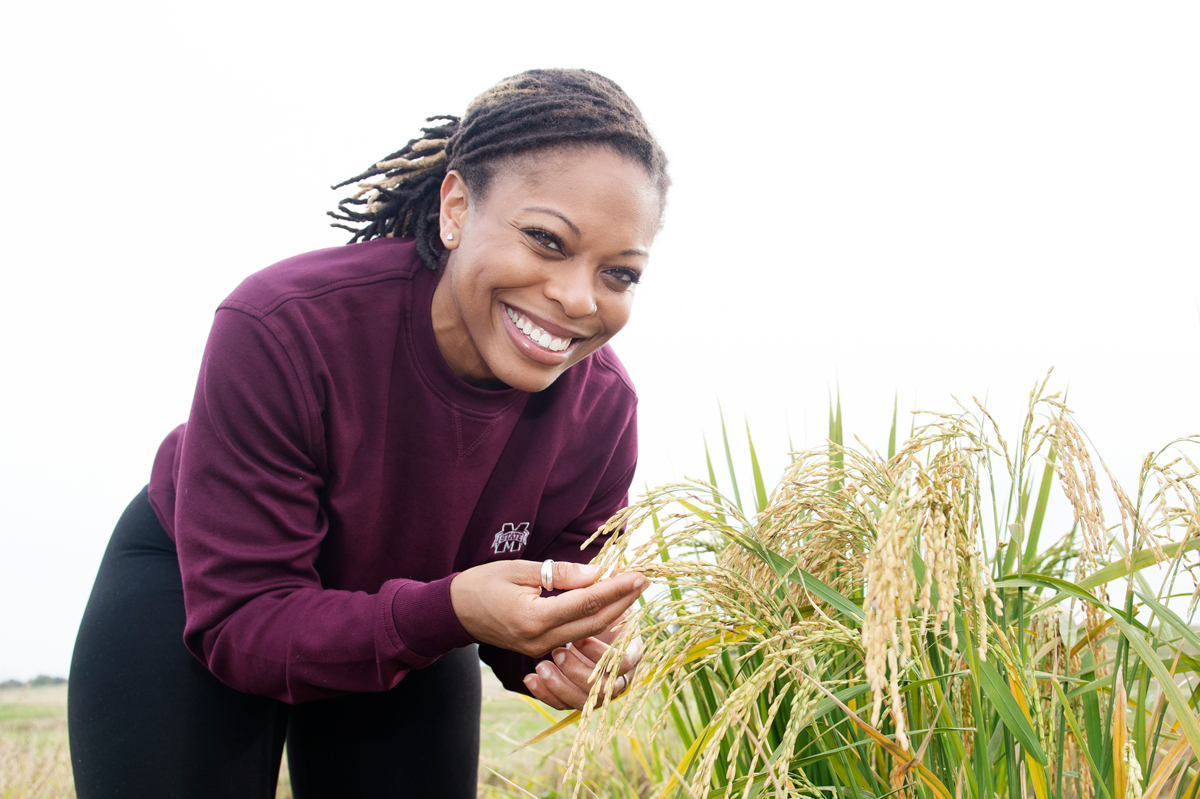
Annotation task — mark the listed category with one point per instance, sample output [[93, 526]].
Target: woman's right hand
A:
[[501, 604]]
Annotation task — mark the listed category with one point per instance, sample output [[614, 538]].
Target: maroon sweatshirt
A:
[[334, 475]]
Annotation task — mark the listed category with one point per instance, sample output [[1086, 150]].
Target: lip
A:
[[557, 331], [533, 351]]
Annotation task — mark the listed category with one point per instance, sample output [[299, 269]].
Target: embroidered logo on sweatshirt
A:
[[511, 538]]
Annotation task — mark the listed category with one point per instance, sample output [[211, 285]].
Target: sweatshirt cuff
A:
[[424, 618]]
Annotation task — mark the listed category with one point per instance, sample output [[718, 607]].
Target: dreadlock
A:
[[535, 110]]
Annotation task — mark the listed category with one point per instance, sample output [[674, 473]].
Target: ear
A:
[[453, 211]]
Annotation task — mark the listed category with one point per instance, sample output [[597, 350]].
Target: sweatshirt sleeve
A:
[[249, 526], [512, 667]]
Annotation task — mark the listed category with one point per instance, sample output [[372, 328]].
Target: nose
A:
[[573, 288]]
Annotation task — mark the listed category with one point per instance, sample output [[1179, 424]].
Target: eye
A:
[[545, 239], [624, 278]]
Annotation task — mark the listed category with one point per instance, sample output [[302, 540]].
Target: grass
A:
[[35, 759]]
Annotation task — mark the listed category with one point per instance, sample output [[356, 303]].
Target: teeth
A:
[[536, 334]]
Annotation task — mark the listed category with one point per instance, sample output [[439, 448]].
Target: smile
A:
[[535, 334]]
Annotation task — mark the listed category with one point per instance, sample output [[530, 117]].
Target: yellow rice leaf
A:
[[1163, 774], [510, 782], [928, 777], [1091, 637], [686, 761], [720, 640], [1191, 791], [1037, 774], [1119, 736], [539, 707], [696, 652], [567, 721], [636, 749]]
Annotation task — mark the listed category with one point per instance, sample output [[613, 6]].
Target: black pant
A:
[[147, 719]]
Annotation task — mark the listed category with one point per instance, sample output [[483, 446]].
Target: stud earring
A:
[[449, 237]]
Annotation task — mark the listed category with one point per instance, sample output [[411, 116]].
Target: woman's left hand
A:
[[566, 682]]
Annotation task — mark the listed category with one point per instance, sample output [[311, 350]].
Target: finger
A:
[[609, 635], [574, 575], [583, 672], [575, 667], [594, 649], [574, 645], [611, 597], [591, 618], [541, 693], [560, 687], [566, 574]]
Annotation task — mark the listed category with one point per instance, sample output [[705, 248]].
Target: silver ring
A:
[[548, 575]]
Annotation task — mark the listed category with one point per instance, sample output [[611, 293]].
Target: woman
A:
[[393, 448]]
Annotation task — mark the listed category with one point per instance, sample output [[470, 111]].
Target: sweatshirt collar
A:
[[433, 367]]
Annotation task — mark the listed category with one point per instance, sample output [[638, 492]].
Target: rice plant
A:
[[903, 625]]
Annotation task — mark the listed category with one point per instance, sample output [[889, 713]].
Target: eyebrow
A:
[[542, 210], [539, 209]]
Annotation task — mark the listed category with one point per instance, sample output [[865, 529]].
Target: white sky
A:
[[917, 199]]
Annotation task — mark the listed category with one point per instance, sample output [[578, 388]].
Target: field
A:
[[35, 761], [910, 624]]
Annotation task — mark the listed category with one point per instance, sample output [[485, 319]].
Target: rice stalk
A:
[[903, 625]]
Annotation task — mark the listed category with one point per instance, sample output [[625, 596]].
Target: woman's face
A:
[[543, 269]]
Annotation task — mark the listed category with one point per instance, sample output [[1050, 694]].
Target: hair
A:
[[536, 110]]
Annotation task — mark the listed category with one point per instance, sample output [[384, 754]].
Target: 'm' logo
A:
[[511, 538]]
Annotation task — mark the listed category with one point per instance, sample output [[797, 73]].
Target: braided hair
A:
[[535, 110]]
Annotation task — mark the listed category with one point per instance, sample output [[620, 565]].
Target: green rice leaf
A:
[[826, 593], [895, 419], [712, 479], [837, 430], [1039, 510], [1091, 687], [827, 705], [760, 490], [1000, 695], [836, 457], [676, 594], [737, 496], [1166, 682], [1140, 559], [1173, 619], [1097, 779]]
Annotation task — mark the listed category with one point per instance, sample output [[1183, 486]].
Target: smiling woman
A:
[[543, 266], [395, 451]]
